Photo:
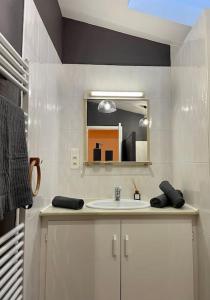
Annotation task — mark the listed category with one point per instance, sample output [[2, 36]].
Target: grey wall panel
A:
[[11, 22], [88, 44]]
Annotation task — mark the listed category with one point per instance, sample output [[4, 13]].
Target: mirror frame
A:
[[114, 163]]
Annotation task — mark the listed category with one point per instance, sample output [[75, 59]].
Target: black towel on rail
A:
[[15, 190], [4, 162]]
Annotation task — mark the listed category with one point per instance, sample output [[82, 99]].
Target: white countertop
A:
[[85, 211]]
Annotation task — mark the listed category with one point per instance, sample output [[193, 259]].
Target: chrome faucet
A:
[[117, 193]]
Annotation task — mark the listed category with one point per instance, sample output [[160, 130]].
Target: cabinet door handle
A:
[[126, 245], [114, 245]]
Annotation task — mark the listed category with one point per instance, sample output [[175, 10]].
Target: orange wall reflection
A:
[[109, 140]]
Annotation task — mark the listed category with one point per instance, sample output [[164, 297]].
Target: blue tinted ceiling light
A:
[[180, 11]]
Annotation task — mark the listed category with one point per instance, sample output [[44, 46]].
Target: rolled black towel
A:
[[159, 201], [66, 202], [175, 198], [162, 200]]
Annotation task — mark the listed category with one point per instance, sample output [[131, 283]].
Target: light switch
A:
[[75, 161]]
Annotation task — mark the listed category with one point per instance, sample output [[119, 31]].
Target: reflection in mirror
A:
[[117, 130]]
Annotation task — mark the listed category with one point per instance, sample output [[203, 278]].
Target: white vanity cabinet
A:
[[157, 259], [83, 260], [146, 258]]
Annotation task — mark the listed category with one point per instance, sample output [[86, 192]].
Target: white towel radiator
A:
[[11, 264]]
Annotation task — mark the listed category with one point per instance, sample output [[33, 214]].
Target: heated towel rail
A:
[[12, 66], [11, 264], [16, 70]]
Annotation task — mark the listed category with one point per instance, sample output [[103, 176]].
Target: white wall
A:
[[56, 124], [43, 133], [99, 182], [190, 142], [179, 134]]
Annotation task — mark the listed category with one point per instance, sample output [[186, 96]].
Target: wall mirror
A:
[[117, 128]]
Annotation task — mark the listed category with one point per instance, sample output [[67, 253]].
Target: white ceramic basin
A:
[[123, 204]]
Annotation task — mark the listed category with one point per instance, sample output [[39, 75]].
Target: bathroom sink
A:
[[123, 204]]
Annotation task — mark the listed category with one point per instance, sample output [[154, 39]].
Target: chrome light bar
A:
[[117, 94]]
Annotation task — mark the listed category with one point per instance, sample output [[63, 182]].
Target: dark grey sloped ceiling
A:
[[81, 43], [88, 44]]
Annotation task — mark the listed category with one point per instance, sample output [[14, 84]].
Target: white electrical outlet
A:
[[75, 161]]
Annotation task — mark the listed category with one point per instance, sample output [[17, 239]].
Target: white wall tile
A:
[[179, 133], [190, 134], [161, 146], [99, 182], [31, 32], [43, 133], [56, 125]]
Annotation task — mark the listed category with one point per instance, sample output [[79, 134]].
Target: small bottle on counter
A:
[[137, 195]]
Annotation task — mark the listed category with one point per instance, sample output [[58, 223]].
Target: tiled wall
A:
[[179, 133], [99, 182], [43, 132], [56, 125], [190, 139]]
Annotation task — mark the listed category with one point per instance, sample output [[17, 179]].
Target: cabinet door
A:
[[157, 259], [83, 260]]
